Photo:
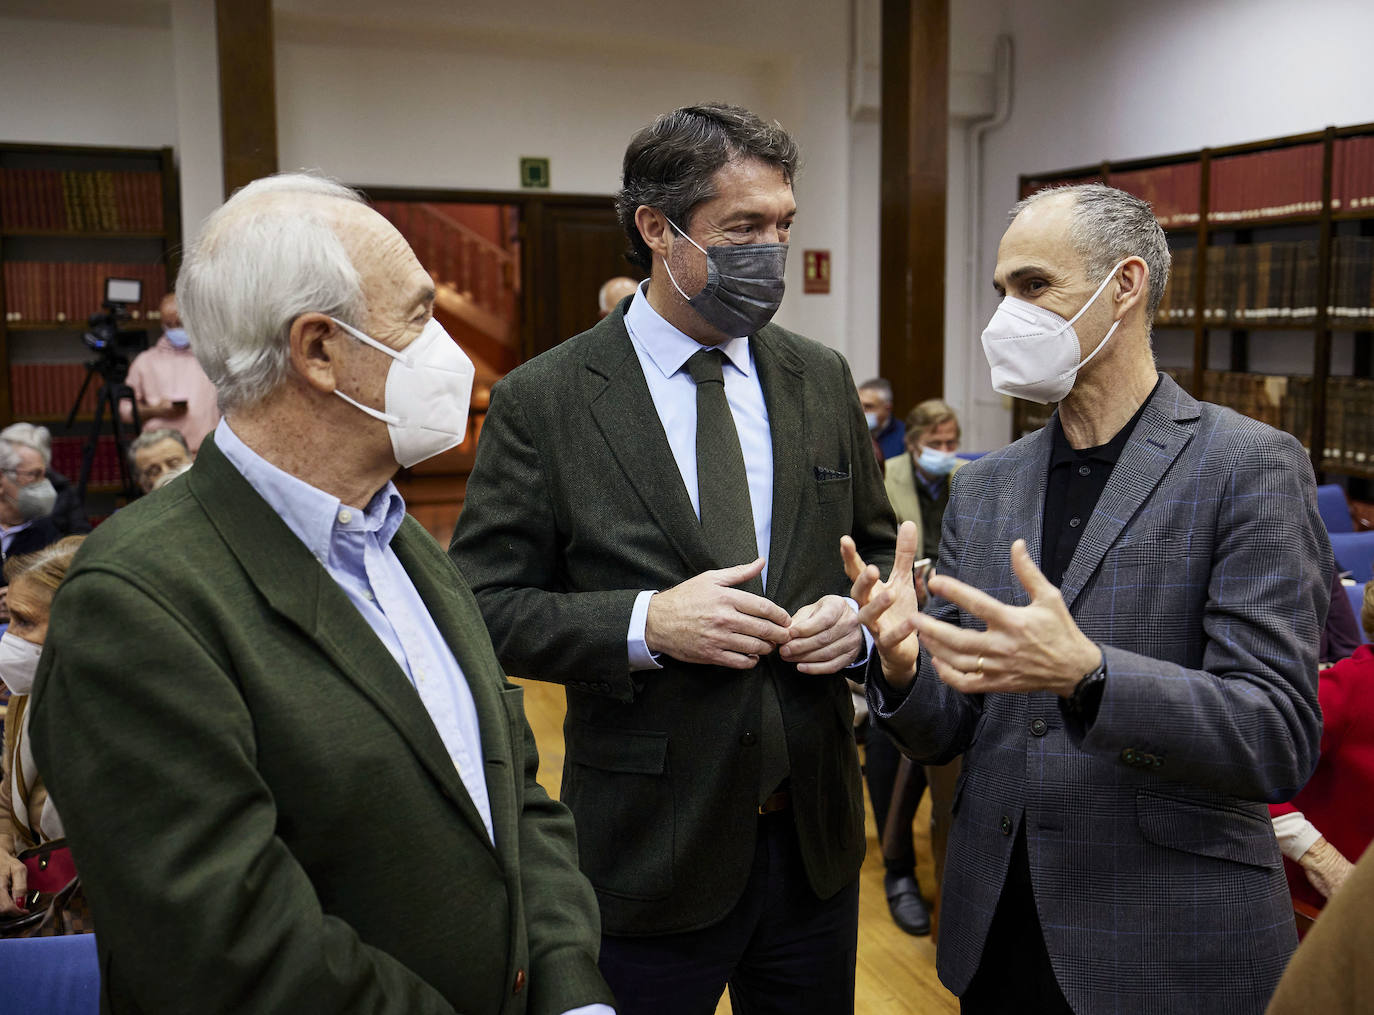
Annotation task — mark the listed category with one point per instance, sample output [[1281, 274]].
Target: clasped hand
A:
[[1037, 647], [707, 620]]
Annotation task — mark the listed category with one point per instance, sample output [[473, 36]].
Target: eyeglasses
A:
[[25, 476]]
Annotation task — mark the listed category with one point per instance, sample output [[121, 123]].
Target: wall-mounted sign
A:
[[817, 271], [534, 172]]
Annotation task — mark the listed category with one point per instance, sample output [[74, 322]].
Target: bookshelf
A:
[[70, 216], [1270, 302]]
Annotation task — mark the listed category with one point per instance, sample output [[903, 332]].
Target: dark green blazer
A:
[[575, 506], [264, 815]]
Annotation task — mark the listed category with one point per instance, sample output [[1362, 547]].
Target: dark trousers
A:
[[781, 949], [881, 759], [1014, 975]]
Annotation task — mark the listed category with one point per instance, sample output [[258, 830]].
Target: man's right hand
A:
[[888, 608], [707, 620]]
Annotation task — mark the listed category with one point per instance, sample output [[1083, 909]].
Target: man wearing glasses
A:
[[26, 503]]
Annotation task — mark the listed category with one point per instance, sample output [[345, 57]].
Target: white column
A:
[[195, 75]]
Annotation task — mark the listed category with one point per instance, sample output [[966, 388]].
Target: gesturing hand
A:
[[825, 636], [1037, 647], [888, 608], [706, 620]]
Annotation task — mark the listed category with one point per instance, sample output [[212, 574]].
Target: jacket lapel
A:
[[1159, 437], [624, 411], [1027, 497], [297, 587], [784, 393], [455, 613]]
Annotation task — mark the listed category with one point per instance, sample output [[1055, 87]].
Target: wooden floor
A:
[[896, 972]]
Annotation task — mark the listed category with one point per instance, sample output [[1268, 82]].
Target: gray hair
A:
[[880, 385], [147, 439], [30, 436], [9, 458], [263, 258], [1106, 226], [670, 164]]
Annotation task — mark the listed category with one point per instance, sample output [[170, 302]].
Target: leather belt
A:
[[779, 801]]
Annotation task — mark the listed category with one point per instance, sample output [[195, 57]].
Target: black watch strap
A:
[[1088, 694]]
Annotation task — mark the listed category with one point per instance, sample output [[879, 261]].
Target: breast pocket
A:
[[833, 487]]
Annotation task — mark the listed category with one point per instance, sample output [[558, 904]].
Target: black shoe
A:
[[904, 902]]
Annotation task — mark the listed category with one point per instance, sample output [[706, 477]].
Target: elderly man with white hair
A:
[[293, 775], [68, 513]]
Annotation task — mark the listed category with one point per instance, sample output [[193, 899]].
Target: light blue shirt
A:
[[355, 548], [663, 352]]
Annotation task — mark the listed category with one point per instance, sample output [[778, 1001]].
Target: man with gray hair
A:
[[156, 457], [326, 786], [1122, 645], [68, 513]]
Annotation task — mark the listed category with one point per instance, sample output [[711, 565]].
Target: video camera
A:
[[108, 338]]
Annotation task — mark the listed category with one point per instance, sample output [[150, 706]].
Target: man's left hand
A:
[[1025, 648], [825, 636]]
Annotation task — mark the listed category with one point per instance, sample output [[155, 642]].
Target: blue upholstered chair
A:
[[50, 975], [1354, 553], [1334, 510]]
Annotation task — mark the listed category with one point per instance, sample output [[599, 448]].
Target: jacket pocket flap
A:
[[620, 751], [1223, 832]]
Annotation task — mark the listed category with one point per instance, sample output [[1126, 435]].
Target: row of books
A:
[[48, 389], [1352, 280], [56, 292], [1268, 184], [1352, 174], [102, 201], [66, 459], [1262, 283], [1171, 190]]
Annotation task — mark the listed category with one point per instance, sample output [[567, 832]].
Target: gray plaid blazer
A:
[[1203, 574]]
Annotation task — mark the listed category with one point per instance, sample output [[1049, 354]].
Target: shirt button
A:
[[1074, 523], [748, 739], [345, 516], [1083, 470], [1006, 825], [1038, 727]]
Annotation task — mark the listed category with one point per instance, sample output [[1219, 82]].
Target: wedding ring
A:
[[980, 666]]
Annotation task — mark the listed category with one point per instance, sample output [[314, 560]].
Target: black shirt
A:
[[1076, 481]]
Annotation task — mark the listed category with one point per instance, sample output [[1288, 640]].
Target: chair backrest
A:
[[50, 975], [1354, 553], [1356, 594], [1332, 506]]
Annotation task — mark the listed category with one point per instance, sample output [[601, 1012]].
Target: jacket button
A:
[[1128, 756], [1006, 825], [748, 739], [519, 981], [1038, 727]]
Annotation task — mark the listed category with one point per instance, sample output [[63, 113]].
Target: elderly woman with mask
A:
[[26, 817]]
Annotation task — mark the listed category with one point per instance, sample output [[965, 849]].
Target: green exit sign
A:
[[534, 172]]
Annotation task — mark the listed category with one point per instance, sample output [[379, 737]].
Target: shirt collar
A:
[[1063, 452], [309, 512], [669, 348]]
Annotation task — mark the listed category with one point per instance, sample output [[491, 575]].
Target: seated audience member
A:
[[157, 457], [876, 398], [1331, 820], [1341, 634], [26, 503], [27, 817], [316, 790], [1332, 974], [170, 385], [613, 290], [917, 483], [68, 513]]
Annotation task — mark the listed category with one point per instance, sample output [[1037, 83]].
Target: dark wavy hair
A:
[[669, 164]]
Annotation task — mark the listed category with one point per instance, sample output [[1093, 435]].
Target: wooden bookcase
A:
[[1270, 304], [69, 217]]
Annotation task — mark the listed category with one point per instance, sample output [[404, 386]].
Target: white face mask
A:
[[428, 387], [1033, 352], [936, 463], [18, 662], [170, 475]]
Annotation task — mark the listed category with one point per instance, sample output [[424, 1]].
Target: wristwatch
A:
[[1087, 695]]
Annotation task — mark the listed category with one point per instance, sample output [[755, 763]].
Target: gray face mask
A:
[[744, 285], [36, 500]]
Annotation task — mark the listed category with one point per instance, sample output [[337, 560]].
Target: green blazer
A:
[[263, 813], [576, 505]]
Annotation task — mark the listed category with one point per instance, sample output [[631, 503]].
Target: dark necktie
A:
[[727, 524]]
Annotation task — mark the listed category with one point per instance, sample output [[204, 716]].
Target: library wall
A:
[[1150, 80]]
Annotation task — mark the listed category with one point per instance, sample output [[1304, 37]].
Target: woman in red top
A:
[[1326, 827]]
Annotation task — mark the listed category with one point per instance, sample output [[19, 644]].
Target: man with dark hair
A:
[[1122, 646], [652, 521], [889, 433]]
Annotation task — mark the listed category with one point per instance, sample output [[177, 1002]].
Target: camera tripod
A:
[[112, 372]]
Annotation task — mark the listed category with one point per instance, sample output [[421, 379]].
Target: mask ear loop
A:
[[1110, 331], [683, 233], [385, 417]]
